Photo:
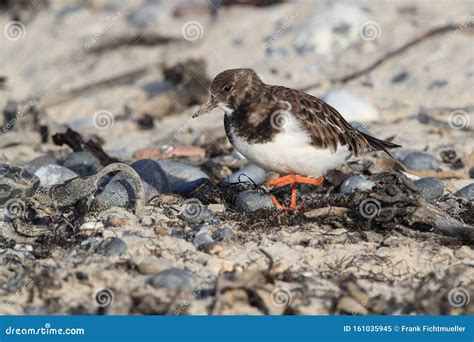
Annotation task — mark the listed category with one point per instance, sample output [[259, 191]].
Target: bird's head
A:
[[228, 89]]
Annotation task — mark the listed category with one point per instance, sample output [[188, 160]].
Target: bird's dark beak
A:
[[206, 107]]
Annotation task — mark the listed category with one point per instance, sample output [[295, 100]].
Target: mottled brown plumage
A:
[[253, 103]]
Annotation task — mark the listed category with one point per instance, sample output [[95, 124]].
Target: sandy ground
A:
[[276, 262]]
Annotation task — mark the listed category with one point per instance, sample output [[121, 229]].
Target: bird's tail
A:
[[379, 145]]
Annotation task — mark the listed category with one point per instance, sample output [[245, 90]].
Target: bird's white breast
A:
[[291, 151]]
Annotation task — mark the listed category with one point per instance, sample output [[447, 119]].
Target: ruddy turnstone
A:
[[285, 130]]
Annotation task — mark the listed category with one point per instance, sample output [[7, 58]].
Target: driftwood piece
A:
[[75, 141], [144, 39]]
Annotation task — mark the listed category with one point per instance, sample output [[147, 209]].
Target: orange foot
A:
[[292, 180]]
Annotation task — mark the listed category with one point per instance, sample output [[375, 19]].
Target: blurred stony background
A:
[[86, 84]]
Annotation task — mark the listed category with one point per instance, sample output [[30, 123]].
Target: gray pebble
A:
[[174, 279], [420, 161], [83, 163], [50, 175], [466, 192], [38, 162], [180, 173], [471, 172], [430, 188], [120, 192], [248, 201], [356, 182], [112, 246], [202, 241], [248, 173], [223, 234], [151, 172]]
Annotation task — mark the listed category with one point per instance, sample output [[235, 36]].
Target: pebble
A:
[[400, 77], [248, 173], [430, 188], [202, 241], [421, 161], [180, 173], [152, 265], [112, 246], [189, 187], [16, 182], [151, 172], [353, 107], [50, 175], [120, 192], [471, 172], [83, 163], [356, 182], [92, 226], [174, 279], [248, 201], [466, 192], [38, 162], [223, 234]]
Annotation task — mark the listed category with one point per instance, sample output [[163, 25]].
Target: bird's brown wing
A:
[[326, 126]]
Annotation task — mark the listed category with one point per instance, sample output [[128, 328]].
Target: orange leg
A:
[[292, 180]]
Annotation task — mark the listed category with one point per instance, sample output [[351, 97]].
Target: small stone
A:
[[151, 172], [400, 77], [174, 279], [84, 163], [152, 265], [92, 226], [466, 192], [202, 241], [180, 173], [248, 201], [471, 172], [430, 188], [38, 162], [217, 208], [120, 191], [249, 173], [115, 220], [112, 246], [335, 211], [353, 107], [420, 161], [223, 234], [356, 182], [168, 152], [50, 175], [351, 306]]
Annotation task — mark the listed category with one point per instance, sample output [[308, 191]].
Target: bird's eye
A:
[[227, 88]]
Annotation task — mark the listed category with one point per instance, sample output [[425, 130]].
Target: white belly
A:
[[291, 152]]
